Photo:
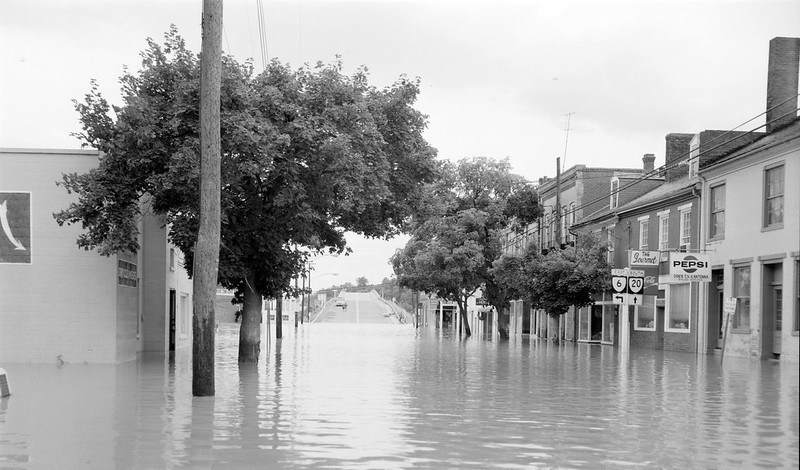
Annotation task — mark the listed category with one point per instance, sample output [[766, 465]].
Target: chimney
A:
[[782, 76], [649, 162], [677, 155]]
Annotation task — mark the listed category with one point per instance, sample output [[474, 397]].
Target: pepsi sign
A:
[[685, 267]]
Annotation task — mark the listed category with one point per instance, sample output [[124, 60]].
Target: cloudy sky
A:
[[498, 77]]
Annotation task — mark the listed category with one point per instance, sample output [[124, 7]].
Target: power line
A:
[[687, 156], [262, 33]]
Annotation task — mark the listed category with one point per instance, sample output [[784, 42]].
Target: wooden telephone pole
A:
[[206, 254]]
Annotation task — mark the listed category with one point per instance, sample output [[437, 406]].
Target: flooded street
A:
[[387, 396]]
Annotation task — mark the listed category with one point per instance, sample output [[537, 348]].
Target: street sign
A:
[[619, 283], [635, 285], [618, 272], [635, 299], [620, 298], [636, 272], [730, 306]]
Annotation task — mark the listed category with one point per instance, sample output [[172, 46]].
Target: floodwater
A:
[[388, 396]]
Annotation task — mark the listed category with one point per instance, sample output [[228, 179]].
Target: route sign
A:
[[635, 285], [620, 284], [620, 298]]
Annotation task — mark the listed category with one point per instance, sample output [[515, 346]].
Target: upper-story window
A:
[[614, 202], [611, 242], [773, 197], [685, 225], [717, 222], [663, 230], [644, 228]]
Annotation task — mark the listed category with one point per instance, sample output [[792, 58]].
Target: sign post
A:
[[729, 309]]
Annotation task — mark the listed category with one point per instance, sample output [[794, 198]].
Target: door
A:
[[777, 318], [172, 319]]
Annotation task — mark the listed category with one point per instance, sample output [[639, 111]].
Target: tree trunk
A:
[[279, 317], [250, 329], [462, 310], [206, 255], [502, 323]]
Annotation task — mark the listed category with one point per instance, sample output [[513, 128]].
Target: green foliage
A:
[[362, 281], [559, 279], [307, 154], [457, 237]]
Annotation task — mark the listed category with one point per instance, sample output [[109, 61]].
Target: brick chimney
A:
[[649, 161], [784, 61], [677, 149]]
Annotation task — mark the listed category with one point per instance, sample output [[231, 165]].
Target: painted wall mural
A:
[[15, 224]]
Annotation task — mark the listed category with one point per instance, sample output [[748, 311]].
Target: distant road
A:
[[361, 308]]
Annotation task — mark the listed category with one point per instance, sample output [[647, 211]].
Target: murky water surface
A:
[[387, 396]]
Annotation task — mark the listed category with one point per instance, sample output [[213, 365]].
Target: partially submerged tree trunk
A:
[[250, 329], [279, 317], [462, 310], [502, 323]]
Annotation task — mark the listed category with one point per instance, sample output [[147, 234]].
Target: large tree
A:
[[458, 237], [559, 279], [307, 154]]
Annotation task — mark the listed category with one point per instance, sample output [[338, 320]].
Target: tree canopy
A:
[[559, 279], [307, 154], [456, 240]]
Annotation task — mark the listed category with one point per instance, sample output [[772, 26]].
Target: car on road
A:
[[341, 303]]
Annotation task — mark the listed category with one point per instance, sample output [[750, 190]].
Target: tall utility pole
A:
[[558, 201], [206, 254]]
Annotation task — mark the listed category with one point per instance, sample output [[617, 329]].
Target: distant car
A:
[[341, 303]]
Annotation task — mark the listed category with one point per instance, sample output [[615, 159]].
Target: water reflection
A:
[[387, 396]]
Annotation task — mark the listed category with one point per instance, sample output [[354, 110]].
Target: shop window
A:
[[645, 314], [679, 308], [609, 326], [741, 290]]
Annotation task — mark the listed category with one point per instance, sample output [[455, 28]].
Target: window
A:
[[646, 314], [773, 197], [611, 242], [614, 202], [186, 314], [741, 290], [564, 232], [172, 259], [796, 322], [679, 307], [663, 231], [644, 227], [572, 216], [686, 225], [717, 222]]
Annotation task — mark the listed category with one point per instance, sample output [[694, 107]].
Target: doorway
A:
[[772, 310], [716, 316], [172, 319]]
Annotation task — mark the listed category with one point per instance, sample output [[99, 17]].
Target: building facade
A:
[[59, 303]]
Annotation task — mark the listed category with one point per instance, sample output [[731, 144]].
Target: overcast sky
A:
[[498, 77]]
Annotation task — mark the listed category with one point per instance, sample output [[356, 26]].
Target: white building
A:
[[61, 303]]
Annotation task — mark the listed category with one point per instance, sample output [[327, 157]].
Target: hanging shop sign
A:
[[685, 267], [644, 258], [15, 220]]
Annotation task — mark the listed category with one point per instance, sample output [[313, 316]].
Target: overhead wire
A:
[[687, 157], [262, 33]]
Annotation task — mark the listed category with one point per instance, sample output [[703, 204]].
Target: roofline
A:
[[42, 151]]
